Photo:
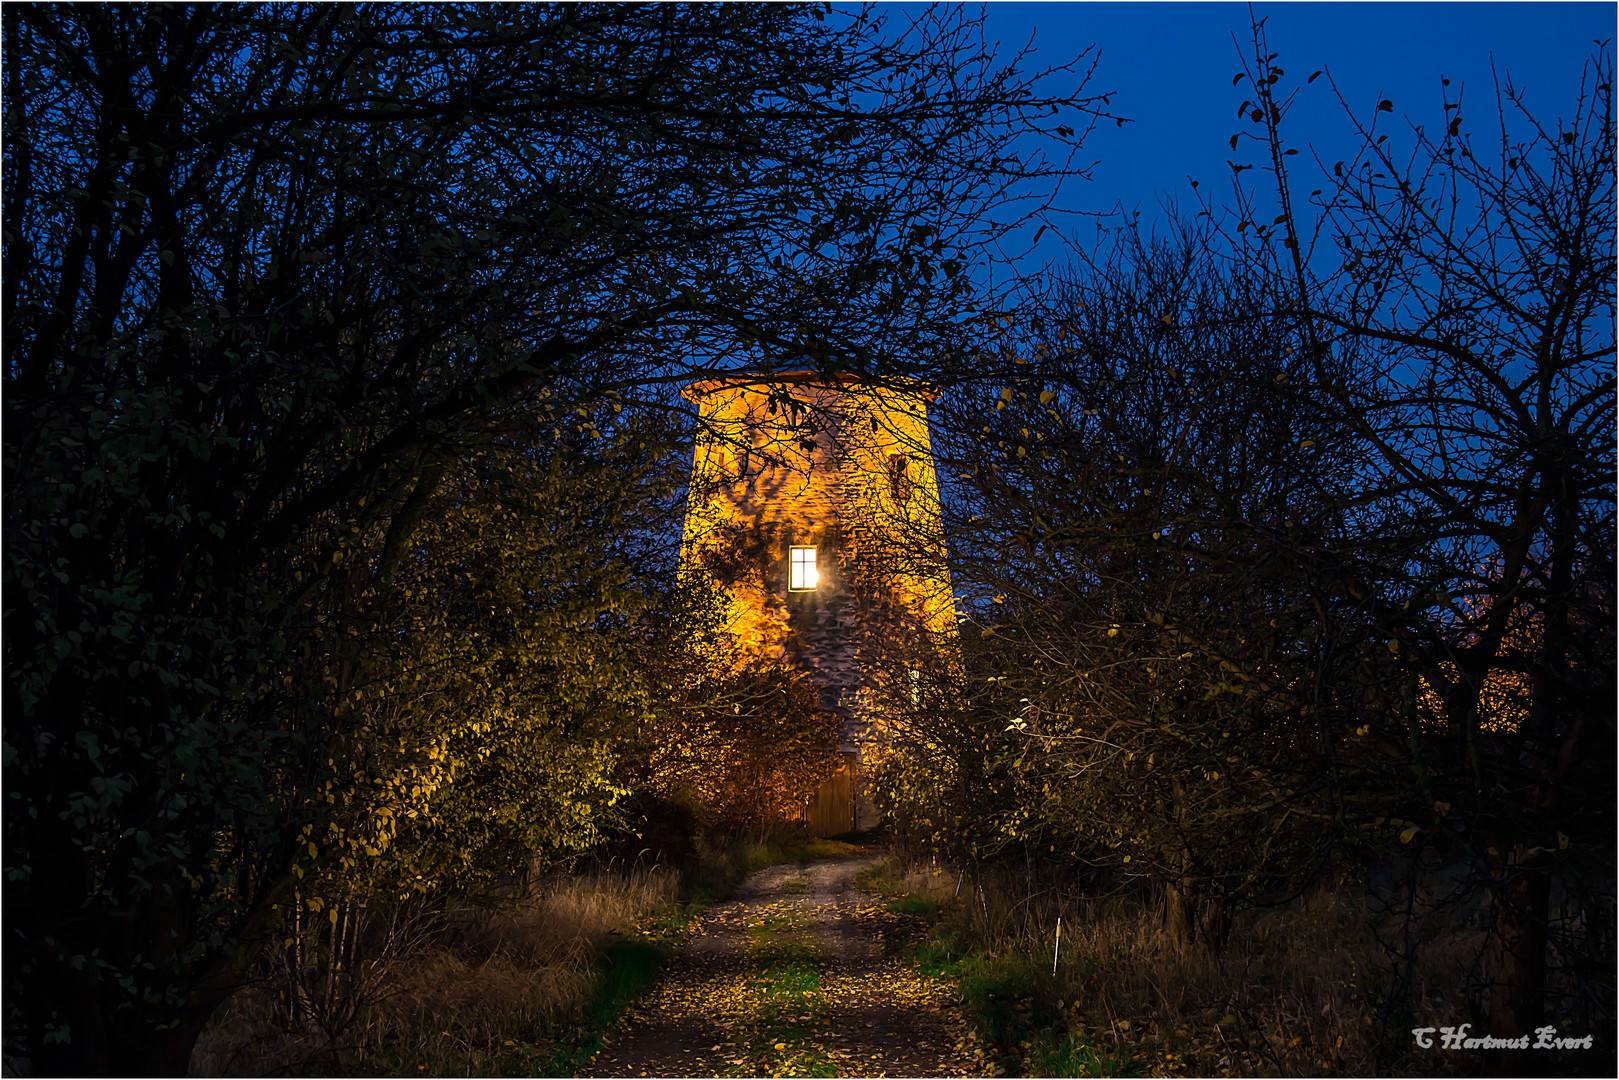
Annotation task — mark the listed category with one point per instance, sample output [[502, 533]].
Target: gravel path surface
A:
[[791, 977]]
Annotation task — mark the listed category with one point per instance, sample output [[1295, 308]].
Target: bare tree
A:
[[1169, 574], [1474, 280]]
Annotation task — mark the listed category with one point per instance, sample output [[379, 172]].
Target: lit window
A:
[[801, 573]]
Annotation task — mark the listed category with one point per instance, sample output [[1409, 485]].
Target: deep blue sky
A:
[[1171, 65]]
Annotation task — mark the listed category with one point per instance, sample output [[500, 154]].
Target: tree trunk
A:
[[1517, 952], [1519, 908], [1176, 919], [96, 1047], [79, 1017]]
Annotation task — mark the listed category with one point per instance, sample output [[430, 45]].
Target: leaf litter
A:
[[795, 982]]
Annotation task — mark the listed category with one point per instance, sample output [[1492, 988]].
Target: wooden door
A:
[[831, 809]]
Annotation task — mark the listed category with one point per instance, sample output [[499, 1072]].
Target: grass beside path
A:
[[623, 974], [520, 987], [1296, 990], [1008, 994]]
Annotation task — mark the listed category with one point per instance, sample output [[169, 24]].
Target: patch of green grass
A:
[[882, 878], [1010, 997], [939, 954], [818, 847], [623, 972], [775, 850], [1073, 1055], [923, 907], [1005, 996], [784, 1008], [911, 893]]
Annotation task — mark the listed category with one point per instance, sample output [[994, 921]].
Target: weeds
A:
[[625, 971], [487, 991], [508, 986], [1295, 991]]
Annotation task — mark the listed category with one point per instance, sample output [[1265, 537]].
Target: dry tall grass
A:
[[475, 986], [1299, 990]]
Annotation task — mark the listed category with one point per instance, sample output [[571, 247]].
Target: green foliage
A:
[[529, 649], [943, 781], [741, 745], [1073, 1055]]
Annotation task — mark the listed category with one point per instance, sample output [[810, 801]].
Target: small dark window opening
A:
[[899, 478]]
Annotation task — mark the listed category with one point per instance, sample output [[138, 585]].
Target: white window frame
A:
[[795, 569]]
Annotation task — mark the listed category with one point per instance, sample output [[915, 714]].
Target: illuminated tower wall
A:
[[803, 468]]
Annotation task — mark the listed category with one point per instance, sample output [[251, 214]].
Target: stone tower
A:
[[814, 505]]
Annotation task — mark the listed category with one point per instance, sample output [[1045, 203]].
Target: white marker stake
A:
[[1055, 949]]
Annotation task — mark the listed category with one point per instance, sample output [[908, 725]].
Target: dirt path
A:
[[792, 978]]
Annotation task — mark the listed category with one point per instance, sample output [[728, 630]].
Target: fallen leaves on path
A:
[[795, 985]]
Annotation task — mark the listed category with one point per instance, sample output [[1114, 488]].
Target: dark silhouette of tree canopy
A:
[[273, 273]]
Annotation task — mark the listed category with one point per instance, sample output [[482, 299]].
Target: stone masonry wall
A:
[[847, 470]]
